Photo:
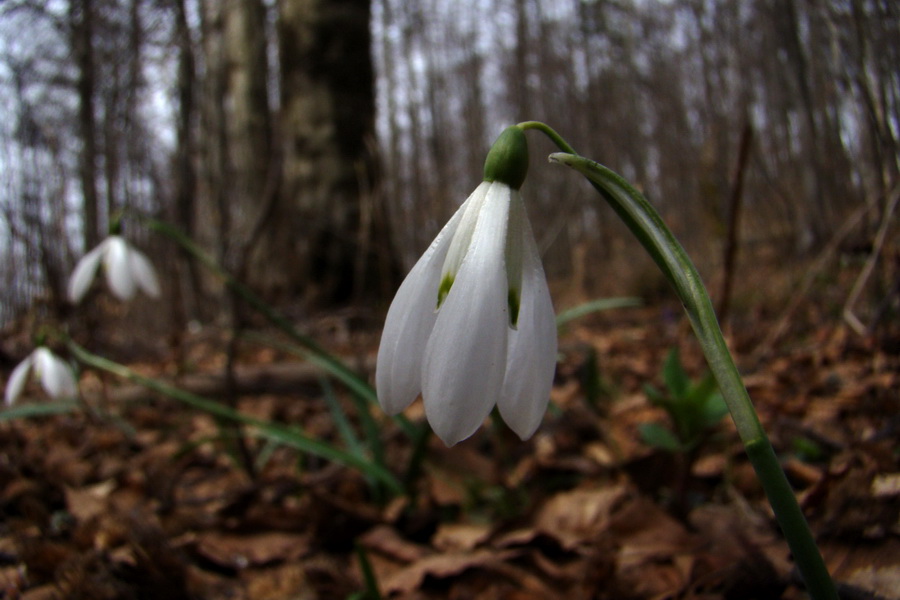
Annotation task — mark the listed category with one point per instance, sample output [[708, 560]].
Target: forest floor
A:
[[143, 497]]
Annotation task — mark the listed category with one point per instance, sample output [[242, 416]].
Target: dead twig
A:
[[850, 317]]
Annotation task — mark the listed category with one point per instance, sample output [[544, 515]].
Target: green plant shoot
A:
[[694, 407]]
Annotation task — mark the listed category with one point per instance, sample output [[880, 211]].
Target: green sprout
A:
[[695, 408]]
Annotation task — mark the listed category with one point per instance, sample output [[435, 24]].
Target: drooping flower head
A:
[[472, 325], [53, 372], [127, 270]]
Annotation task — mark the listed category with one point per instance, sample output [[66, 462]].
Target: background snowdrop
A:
[[127, 270], [54, 373]]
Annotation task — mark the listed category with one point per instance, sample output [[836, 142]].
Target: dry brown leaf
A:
[[88, 502], [646, 532], [884, 581], [579, 516], [442, 566], [287, 581], [886, 485], [656, 553], [44, 592], [460, 537], [874, 568], [387, 541], [710, 465], [242, 551]]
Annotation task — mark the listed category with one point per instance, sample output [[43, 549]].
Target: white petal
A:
[[17, 380], [84, 273], [531, 361], [465, 358], [118, 267], [56, 375], [398, 371], [515, 238], [143, 272], [461, 242]]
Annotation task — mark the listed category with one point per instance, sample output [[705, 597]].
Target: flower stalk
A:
[[646, 224]]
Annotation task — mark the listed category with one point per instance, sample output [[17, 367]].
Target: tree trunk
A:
[[249, 147], [188, 288], [82, 24], [328, 102], [236, 133]]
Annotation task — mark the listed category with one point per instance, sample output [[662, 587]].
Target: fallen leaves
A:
[[145, 496]]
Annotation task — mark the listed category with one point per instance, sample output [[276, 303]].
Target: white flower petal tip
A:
[[127, 270], [54, 374], [472, 326]]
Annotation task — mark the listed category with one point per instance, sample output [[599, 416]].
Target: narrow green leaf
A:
[[361, 392], [675, 376], [576, 312], [38, 409], [371, 580], [704, 388], [345, 429], [713, 410], [655, 396], [657, 435]]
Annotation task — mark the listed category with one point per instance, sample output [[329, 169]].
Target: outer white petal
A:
[[17, 380], [56, 376], [143, 272], [531, 360], [461, 242], [118, 267], [398, 371], [84, 272], [465, 358]]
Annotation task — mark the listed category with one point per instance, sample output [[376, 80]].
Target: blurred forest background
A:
[[315, 147]]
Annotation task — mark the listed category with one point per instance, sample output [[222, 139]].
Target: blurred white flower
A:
[[53, 372], [472, 325], [127, 270]]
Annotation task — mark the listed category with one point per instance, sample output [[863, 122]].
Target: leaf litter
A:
[[141, 498]]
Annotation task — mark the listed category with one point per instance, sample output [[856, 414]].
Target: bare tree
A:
[[328, 114], [81, 19]]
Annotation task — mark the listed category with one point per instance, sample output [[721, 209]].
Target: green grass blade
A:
[[576, 312], [39, 409]]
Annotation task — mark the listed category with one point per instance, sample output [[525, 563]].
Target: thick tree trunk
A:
[[328, 104], [250, 158], [236, 139]]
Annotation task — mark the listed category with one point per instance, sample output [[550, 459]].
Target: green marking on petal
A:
[[444, 289], [513, 300]]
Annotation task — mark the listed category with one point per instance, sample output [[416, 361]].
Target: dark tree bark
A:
[[183, 167], [328, 104], [82, 31]]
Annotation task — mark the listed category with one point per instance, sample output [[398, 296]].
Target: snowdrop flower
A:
[[127, 270], [472, 326], [54, 373]]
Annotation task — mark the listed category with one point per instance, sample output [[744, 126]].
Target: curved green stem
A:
[[549, 132], [646, 224]]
